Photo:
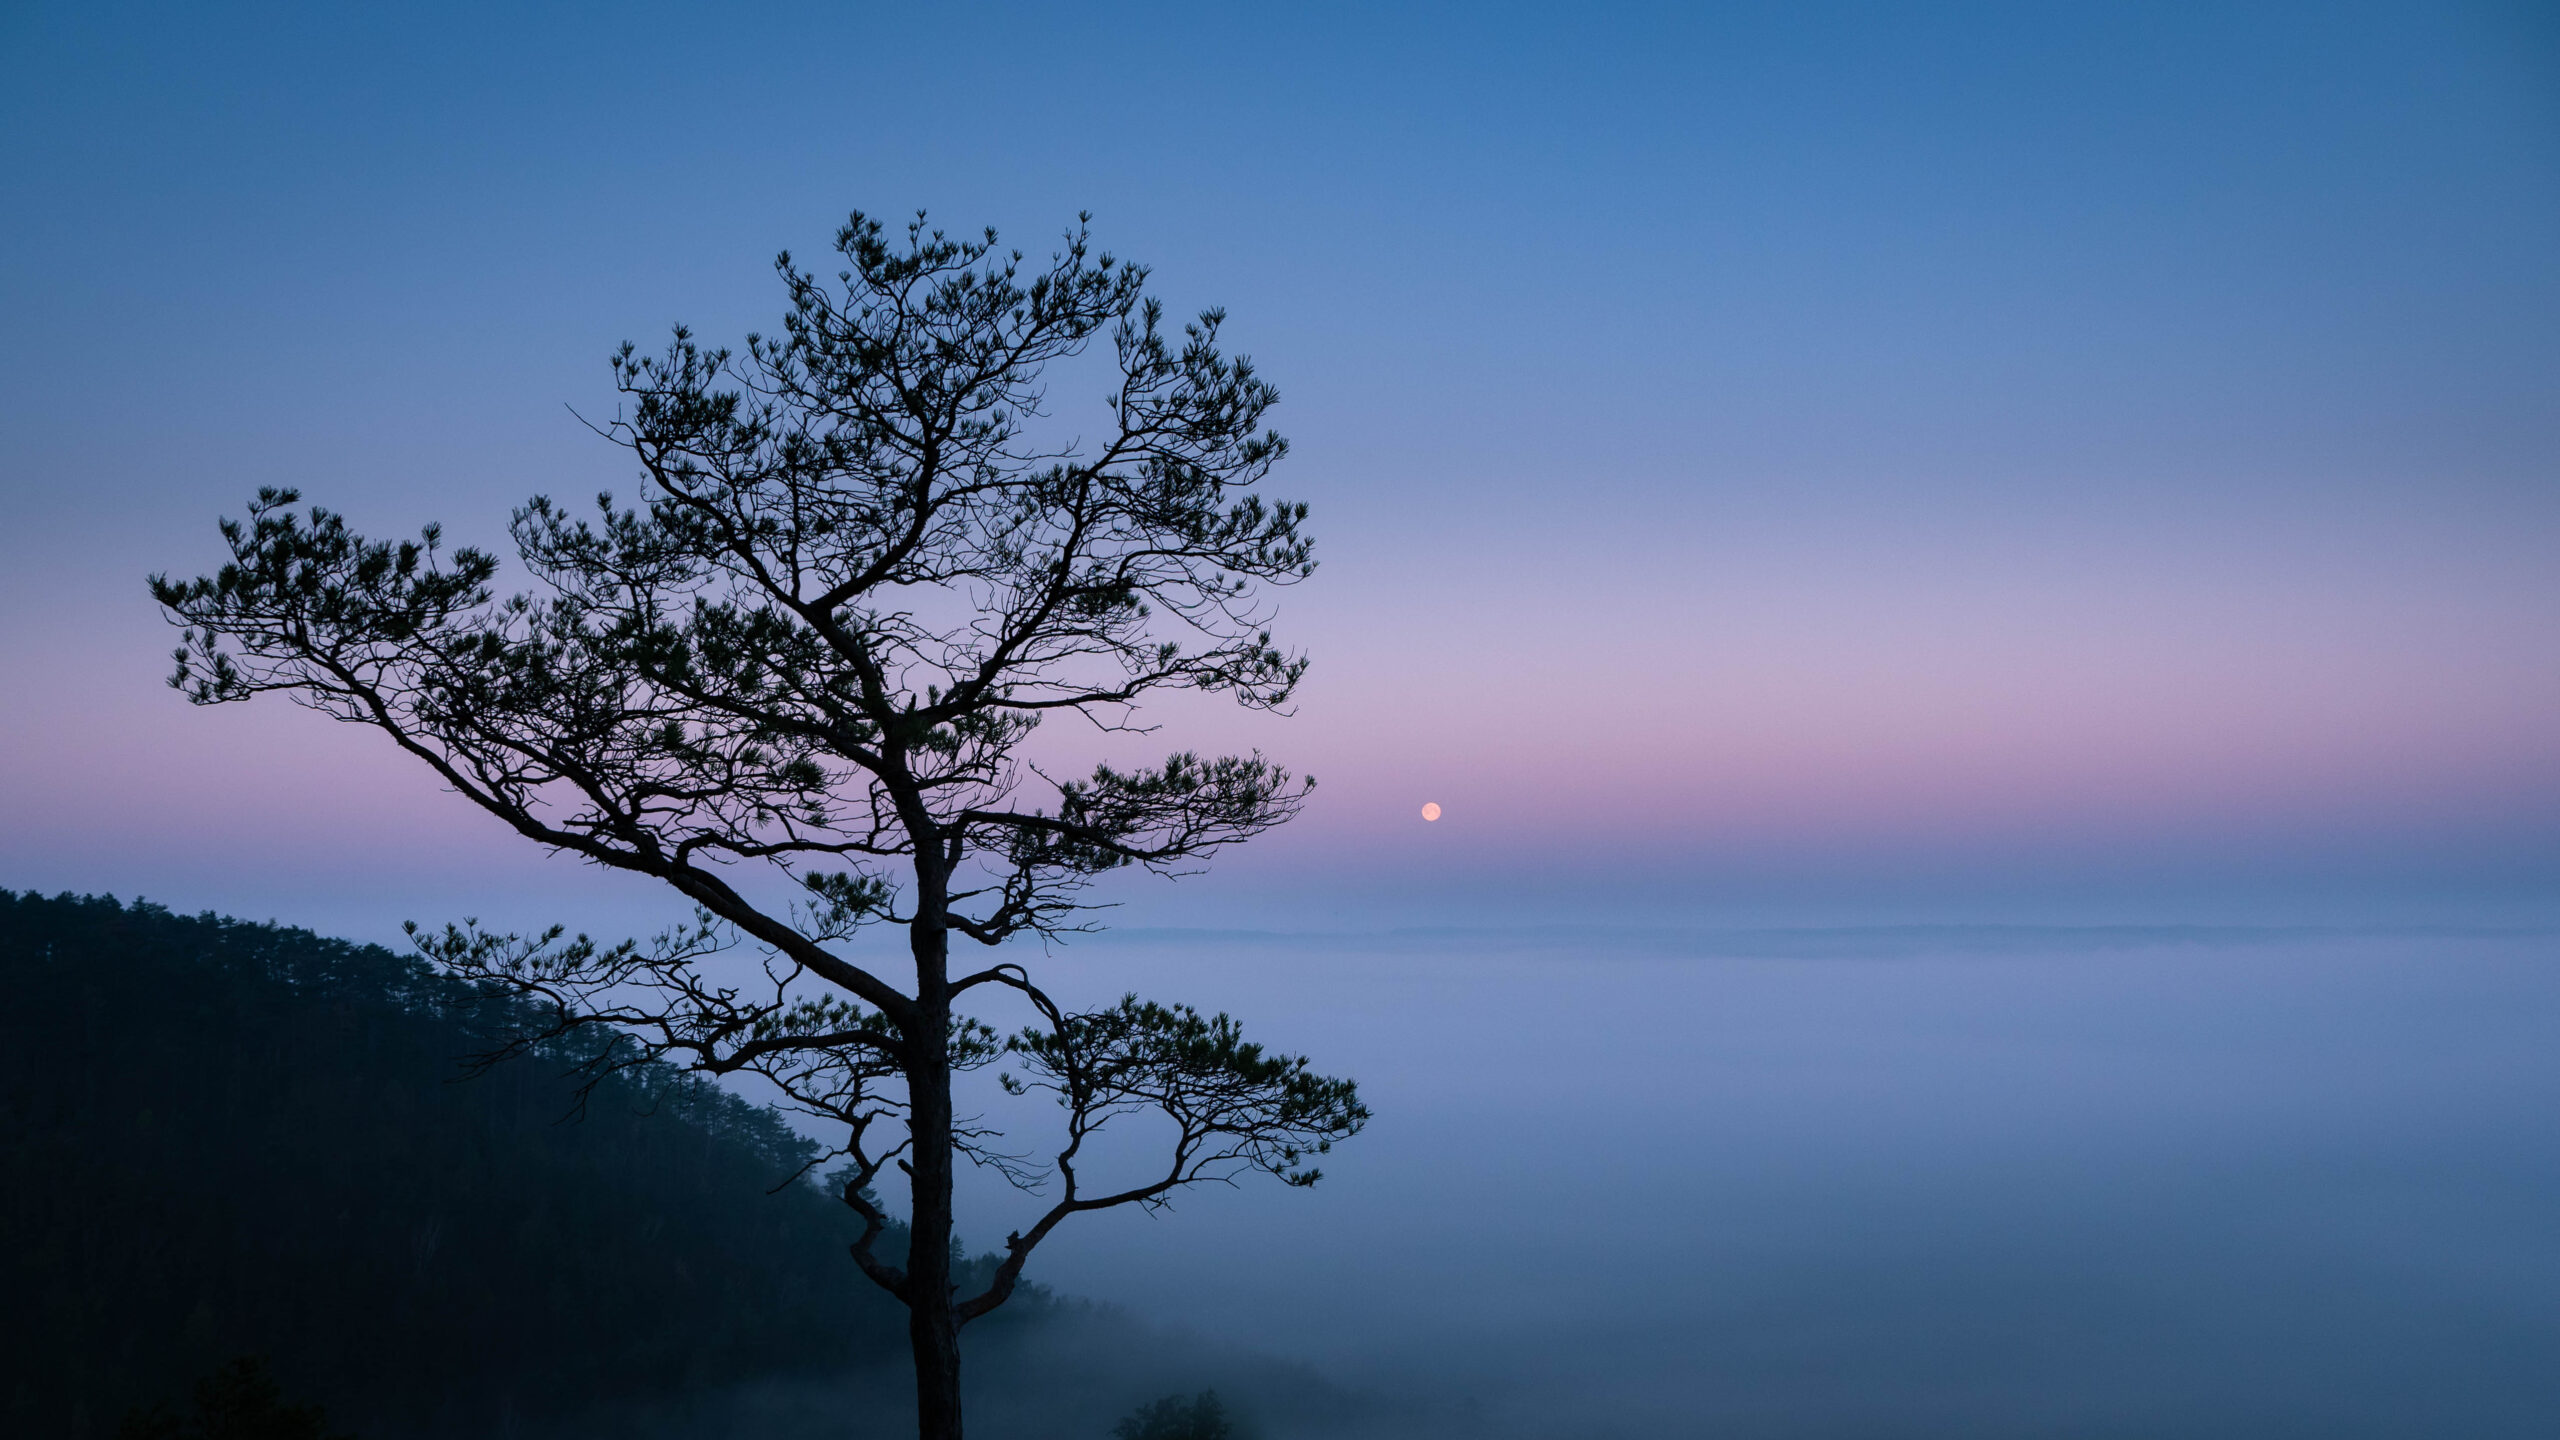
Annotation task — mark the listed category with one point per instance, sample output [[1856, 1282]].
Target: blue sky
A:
[[1788, 461]]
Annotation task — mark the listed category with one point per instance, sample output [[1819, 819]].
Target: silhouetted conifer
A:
[[1177, 1417], [240, 1401], [795, 682]]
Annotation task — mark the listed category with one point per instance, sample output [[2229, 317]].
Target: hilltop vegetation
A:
[[221, 1139], [230, 1139]]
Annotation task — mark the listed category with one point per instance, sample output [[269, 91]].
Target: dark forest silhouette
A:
[[222, 1140], [239, 1401], [229, 1139]]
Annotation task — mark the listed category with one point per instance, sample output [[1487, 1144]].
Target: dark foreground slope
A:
[[220, 1139], [225, 1139]]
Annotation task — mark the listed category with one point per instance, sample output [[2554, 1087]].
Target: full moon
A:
[[1431, 812]]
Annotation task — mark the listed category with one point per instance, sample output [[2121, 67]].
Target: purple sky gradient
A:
[[1805, 463]]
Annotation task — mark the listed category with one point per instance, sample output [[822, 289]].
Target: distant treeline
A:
[[225, 1139]]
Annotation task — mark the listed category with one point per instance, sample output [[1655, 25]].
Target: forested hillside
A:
[[227, 1139]]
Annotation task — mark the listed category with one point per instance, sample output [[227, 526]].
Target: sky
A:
[[1786, 464]]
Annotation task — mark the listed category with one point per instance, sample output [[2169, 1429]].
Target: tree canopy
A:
[[867, 564]]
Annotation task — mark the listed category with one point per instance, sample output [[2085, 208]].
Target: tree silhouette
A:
[[865, 569], [1177, 1417], [240, 1401]]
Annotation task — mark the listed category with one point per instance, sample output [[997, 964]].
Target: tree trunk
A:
[[933, 1330]]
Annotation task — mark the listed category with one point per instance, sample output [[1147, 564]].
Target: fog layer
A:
[[1890, 1183]]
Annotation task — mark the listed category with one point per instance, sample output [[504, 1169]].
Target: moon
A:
[[1431, 811]]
